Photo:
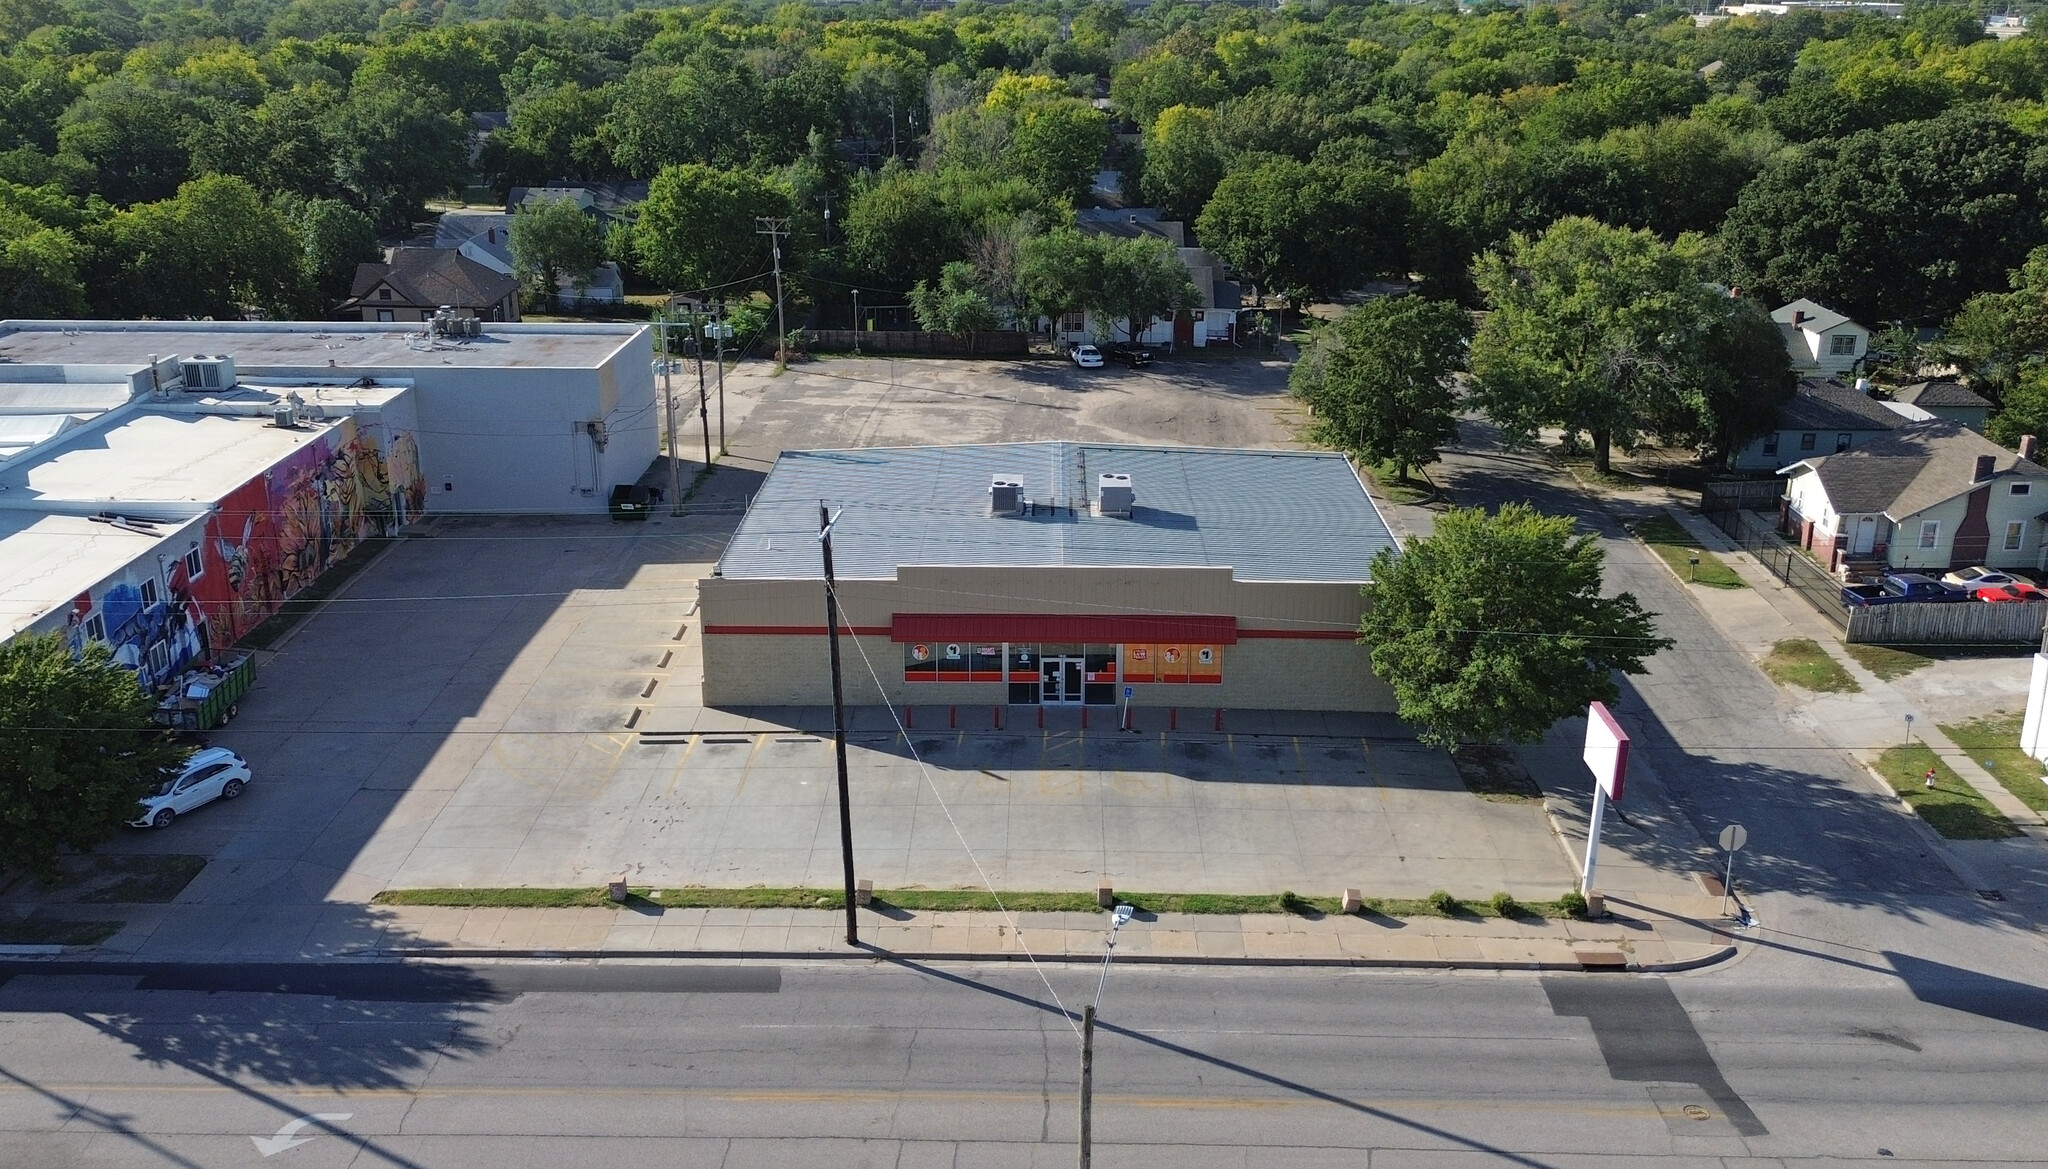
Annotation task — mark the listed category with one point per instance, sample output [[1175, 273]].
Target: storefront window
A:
[[1098, 665], [952, 659], [1024, 676], [919, 663], [1177, 663]]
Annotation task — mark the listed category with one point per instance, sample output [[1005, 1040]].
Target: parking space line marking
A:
[[676, 776]]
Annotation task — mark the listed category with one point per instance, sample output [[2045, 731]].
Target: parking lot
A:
[[459, 716]]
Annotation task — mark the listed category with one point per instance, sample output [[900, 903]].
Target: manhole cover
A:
[[1695, 1112]]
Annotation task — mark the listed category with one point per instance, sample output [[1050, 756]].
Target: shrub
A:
[[1443, 903], [1573, 904], [1505, 905]]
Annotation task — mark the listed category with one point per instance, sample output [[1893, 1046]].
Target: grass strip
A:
[[1386, 477], [1994, 742], [1887, 662], [147, 878], [1951, 807], [1676, 547], [37, 931], [1801, 662], [955, 900]]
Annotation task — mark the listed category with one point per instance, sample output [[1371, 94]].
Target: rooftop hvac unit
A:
[[208, 373], [1116, 493], [1004, 492]]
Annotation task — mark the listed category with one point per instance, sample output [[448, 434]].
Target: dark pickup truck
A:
[[1899, 588]]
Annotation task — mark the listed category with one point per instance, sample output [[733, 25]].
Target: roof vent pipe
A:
[[1986, 466], [2027, 445]]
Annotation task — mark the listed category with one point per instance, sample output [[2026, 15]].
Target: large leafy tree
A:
[[1183, 161], [215, 249], [77, 749], [553, 239], [1306, 230], [899, 230], [955, 305], [1494, 627], [333, 238], [697, 228], [1595, 329], [1996, 336], [1380, 384], [1903, 223], [394, 148], [1142, 279]]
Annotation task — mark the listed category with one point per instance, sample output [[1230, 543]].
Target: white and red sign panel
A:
[[1606, 749]]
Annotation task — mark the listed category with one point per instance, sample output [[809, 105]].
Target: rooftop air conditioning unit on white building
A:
[[209, 373]]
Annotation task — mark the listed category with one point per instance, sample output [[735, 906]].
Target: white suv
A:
[[215, 773]]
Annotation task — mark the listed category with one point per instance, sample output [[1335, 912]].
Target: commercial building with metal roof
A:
[[1052, 573]]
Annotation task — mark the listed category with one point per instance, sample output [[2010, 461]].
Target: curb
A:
[[1718, 956]]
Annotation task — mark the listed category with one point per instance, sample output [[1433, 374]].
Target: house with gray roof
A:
[[417, 282], [1819, 339], [1052, 574], [1927, 497], [1823, 417], [1950, 400]]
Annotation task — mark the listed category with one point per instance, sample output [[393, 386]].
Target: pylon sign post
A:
[[1607, 759]]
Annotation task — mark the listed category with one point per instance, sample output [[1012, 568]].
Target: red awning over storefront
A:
[[1057, 627]]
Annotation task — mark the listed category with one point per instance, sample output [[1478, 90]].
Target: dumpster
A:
[[630, 501], [204, 698]]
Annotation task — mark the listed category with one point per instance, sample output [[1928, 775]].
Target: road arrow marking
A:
[[287, 1137]]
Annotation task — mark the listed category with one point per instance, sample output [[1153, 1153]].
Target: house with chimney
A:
[[1928, 497], [1819, 339], [1211, 320], [1823, 417]]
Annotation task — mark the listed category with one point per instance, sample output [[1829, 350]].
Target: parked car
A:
[[2016, 591], [1085, 356], [1896, 588], [213, 774], [1131, 355], [1981, 577]]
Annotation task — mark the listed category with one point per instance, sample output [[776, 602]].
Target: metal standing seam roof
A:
[[1266, 515]]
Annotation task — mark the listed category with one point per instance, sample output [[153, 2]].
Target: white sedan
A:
[[1981, 577], [213, 774], [1086, 356]]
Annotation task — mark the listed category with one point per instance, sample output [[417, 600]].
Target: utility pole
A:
[[718, 327], [825, 521], [892, 126], [1087, 1080], [668, 397], [703, 411], [775, 229], [856, 322]]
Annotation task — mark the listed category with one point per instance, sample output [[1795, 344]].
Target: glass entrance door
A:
[[1060, 681]]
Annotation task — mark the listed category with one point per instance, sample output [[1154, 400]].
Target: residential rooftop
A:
[[1825, 404], [1266, 515], [310, 346], [1912, 469]]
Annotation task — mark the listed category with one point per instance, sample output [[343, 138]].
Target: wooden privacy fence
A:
[[995, 343], [1948, 623]]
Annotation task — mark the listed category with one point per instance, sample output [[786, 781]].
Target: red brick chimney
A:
[[2027, 447], [1987, 466]]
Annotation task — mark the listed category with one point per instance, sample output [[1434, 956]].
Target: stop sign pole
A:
[[1607, 758]]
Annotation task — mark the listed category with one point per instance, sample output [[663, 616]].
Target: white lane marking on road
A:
[[288, 1138]]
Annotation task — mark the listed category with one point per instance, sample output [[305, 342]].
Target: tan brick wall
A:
[[1258, 674]]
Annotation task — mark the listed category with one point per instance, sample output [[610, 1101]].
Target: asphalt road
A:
[[621, 1066]]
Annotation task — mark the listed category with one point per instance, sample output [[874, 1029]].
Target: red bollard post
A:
[[952, 718], [1173, 718], [1041, 718], [1084, 718], [908, 713], [1219, 718], [995, 717]]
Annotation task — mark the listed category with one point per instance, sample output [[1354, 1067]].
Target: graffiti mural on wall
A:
[[270, 538]]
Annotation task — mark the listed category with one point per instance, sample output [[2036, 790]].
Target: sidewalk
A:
[[1673, 933]]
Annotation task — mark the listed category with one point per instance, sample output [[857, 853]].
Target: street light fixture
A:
[[1118, 918]]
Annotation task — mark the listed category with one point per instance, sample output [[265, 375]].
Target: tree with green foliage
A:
[[899, 231], [1057, 145], [77, 749], [553, 238], [1381, 389], [39, 269], [214, 249], [1183, 161], [1595, 329], [1494, 627], [1995, 336], [394, 148], [1903, 223], [1059, 272], [697, 228], [1142, 279], [957, 305], [333, 239], [1304, 230]]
